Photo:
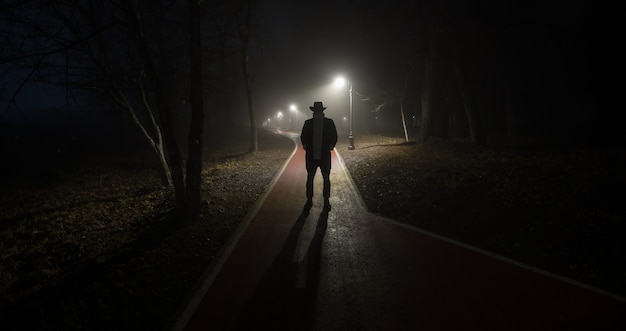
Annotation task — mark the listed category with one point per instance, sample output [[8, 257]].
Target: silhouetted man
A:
[[319, 136]]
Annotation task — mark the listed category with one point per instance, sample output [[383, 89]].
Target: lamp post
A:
[[293, 109], [351, 136], [279, 116], [340, 82]]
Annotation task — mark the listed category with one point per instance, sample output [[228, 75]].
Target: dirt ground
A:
[[94, 245], [558, 209]]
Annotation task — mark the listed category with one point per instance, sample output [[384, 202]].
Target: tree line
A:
[[150, 59], [487, 70], [482, 68]]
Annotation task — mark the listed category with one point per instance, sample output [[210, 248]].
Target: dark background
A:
[[538, 70]]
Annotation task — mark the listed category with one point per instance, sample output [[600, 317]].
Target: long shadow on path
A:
[[285, 299]]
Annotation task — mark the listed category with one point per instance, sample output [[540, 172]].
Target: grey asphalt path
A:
[[351, 270]]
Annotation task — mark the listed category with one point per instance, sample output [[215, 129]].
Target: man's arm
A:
[[333, 132], [305, 136]]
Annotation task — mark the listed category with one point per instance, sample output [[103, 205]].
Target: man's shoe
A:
[[308, 204]]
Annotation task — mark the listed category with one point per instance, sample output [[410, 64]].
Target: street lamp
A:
[[293, 109], [279, 117], [340, 82]]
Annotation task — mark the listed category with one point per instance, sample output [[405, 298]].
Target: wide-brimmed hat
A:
[[317, 106]]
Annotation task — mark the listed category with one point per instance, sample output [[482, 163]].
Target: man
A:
[[319, 136]]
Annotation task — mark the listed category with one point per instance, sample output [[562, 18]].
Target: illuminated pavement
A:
[[351, 270]]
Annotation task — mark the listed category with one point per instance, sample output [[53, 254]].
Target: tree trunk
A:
[[428, 87], [244, 39], [175, 160], [477, 135], [426, 99], [254, 136], [406, 133], [159, 149], [194, 160], [475, 129], [424, 132], [406, 83], [156, 145]]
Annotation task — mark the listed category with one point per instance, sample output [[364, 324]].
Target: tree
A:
[[429, 60], [477, 135], [163, 108], [384, 100], [454, 27], [442, 62], [195, 140], [244, 32], [118, 51], [83, 46]]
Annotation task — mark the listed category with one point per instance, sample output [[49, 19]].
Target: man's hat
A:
[[317, 106]]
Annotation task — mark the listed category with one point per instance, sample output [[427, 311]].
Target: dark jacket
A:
[[329, 139]]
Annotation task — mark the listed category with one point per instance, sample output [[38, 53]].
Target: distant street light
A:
[[341, 82], [294, 109], [279, 117]]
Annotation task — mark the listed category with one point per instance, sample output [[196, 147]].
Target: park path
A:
[[351, 270]]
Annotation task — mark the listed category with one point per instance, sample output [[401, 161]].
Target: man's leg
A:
[[311, 170], [309, 181]]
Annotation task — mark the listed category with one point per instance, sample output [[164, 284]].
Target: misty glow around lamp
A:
[[294, 109], [339, 83]]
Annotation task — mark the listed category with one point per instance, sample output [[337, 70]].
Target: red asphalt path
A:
[[352, 270]]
